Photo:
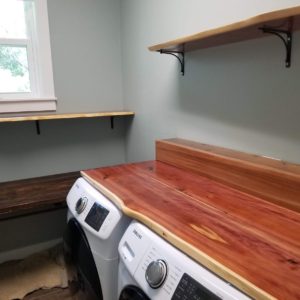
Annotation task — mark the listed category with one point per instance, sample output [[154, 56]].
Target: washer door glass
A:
[[78, 249], [132, 292]]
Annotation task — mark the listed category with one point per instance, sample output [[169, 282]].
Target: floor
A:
[[55, 294], [52, 294], [47, 268]]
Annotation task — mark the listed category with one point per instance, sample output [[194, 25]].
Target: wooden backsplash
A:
[[273, 180]]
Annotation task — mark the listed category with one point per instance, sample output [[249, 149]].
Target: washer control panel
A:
[[189, 288], [92, 209], [165, 273]]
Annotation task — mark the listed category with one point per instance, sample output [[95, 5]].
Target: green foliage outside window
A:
[[10, 60]]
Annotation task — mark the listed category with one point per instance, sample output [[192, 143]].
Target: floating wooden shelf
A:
[[280, 20], [43, 117], [22, 197], [66, 116]]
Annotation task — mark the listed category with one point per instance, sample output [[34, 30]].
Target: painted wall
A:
[[85, 41], [238, 96], [23, 231]]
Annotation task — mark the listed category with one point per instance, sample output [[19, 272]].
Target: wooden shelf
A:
[[22, 197], [244, 30], [65, 116], [281, 22]]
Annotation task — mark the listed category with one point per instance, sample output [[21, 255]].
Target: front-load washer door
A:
[[132, 292], [78, 248]]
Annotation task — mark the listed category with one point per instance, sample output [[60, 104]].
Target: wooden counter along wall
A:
[[252, 243], [273, 180]]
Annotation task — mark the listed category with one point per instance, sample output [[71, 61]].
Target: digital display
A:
[[96, 216], [190, 289]]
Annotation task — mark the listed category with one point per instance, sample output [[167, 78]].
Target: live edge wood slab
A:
[[247, 240], [284, 19]]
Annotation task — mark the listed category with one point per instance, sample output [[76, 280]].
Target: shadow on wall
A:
[[62, 146], [245, 85], [53, 133]]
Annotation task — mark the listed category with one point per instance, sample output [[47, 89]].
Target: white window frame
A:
[[42, 96]]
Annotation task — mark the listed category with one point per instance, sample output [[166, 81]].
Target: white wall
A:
[[239, 96]]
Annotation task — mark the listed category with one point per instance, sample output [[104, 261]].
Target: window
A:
[[26, 79]]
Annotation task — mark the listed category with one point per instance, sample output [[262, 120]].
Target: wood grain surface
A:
[[250, 242], [273, 180], [64, 116], [37, 194], [288, 18]]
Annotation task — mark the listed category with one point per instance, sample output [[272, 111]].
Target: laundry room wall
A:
[[85, 42], [239, 96]]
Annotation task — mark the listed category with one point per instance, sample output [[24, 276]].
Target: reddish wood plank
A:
[[258, 252], [270, 179], [252, 211], [37, 194]]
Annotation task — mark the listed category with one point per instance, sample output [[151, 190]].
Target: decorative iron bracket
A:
[[178, 54], [286, 37], [112, 124], [38, 129], [37, 125]]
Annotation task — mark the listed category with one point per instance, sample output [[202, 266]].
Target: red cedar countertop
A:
[[252, 243]]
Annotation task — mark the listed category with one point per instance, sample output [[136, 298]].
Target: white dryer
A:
[[151, 268], [95, 227]]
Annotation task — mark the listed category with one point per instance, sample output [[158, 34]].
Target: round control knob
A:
[[81, 204], [156, 273]]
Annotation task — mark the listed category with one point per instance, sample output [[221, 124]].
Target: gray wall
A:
[[26, 230], [238, 96], [85, 41]]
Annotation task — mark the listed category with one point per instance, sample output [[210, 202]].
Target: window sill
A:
[[27, 105]]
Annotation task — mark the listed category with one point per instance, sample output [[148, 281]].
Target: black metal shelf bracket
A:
[[112, 123], [179, 55], [38, 129], [286, 37]]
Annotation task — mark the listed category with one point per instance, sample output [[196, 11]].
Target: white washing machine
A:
[[151, 268], [95, 227]]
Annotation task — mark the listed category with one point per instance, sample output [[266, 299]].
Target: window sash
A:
[[31, 69], [39, 64]]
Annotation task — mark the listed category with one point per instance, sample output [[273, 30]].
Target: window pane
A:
[[14, 75], [12, 19]]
